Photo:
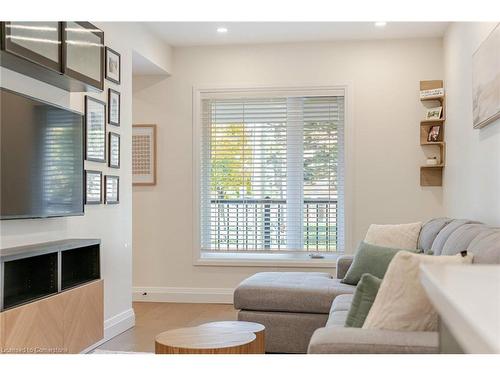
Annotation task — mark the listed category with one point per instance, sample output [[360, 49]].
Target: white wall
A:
[[472, 175], [113, 223], [384, 77]]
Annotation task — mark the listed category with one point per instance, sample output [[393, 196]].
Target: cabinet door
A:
[[83, 53], [39, 42], [83, 317], [33, 328]]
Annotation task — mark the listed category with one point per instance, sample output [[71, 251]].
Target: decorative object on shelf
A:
[[113, 107], [113, 66], [432, 161], [434, 113], [83, 51], [93, 187], [95, 130], [434, 133], [112, 186], [432, 93], [114, 150], [144, 155], [486, 81]]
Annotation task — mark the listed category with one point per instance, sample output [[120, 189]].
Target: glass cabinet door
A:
[[84, 53], [39, 42]]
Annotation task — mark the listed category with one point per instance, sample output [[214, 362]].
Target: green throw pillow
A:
[[369, 259], [365, 294]]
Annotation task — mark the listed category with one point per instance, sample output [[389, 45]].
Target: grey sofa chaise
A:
[[306, 311]]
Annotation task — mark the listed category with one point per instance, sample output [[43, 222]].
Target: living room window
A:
[[271, 172]]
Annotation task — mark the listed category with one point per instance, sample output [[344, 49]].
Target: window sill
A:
[[287, 260]]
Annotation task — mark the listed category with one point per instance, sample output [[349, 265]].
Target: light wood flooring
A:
[[152, 318]]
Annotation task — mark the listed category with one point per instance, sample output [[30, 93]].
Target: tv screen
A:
[[41, 159]]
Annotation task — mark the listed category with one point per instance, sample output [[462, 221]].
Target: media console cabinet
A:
[[51, 297]]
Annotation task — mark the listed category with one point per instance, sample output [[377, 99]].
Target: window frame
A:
[[267, 258]]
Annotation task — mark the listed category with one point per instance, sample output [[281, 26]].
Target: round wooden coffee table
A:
[[213, 338], [258, 346]]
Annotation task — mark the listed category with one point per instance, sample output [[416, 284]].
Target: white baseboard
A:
[[183, 295], [114, 326]]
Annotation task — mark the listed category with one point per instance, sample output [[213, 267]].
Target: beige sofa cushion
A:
[[338, 313], [300, 292], [399, 236], [401, 303]]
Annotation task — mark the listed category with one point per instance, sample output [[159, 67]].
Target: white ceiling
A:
[[179, 34]]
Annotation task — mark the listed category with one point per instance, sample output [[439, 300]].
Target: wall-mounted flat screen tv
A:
[[41, 159]]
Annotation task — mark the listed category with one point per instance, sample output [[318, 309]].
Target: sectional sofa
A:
[[306, 311]]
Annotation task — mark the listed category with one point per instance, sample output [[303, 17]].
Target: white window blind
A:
[[272, 173], [61, 160]]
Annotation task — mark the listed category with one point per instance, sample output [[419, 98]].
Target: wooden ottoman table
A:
[[229, 337]]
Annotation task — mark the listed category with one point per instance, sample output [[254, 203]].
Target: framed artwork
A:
[[434, 133], [113, 107], [95, 130], [93, 187], [112, 189], [434, 113], [486, 81], [144, 154], [113, 66], [114, 150]]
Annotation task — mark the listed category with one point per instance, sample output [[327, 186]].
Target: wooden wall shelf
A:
[[432, 166], [432, 175], [425, 122], [439, 98]]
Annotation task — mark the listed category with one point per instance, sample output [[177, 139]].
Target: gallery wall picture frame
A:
[[95, 130], [111, 189], [114, 150], [486, 81], [112, 66], [93, 187], [113, 107], [144, 157]]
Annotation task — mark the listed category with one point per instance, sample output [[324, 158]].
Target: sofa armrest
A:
[[343, 264], [345, 340]]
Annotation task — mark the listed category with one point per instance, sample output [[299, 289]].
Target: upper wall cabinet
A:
[[69, 55], [39, 42], [83, 53]]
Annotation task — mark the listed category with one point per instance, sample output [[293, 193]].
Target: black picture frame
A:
[[110, 150], [98, 84], [107, 67], [87, 118], [107, 179], [110, 107], [87, 201]]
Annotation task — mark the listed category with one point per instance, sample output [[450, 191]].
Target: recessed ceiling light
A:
[[222, 30], [380, 23]]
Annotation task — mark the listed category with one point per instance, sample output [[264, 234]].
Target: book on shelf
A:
[[431, 93]]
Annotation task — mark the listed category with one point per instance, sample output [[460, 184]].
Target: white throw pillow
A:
[[398, 236], [401, 303]]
